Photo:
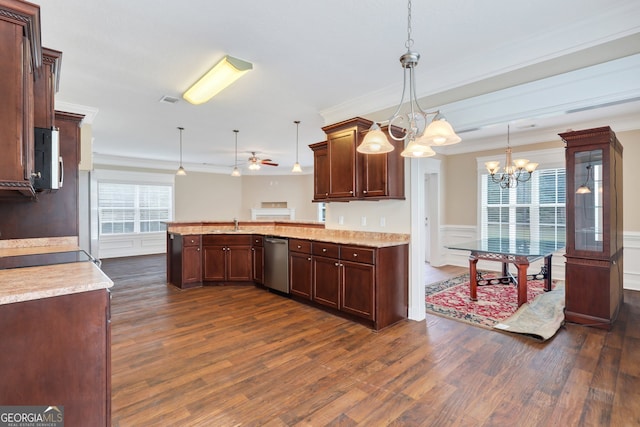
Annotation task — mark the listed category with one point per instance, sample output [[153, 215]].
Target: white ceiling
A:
[[484, 64]]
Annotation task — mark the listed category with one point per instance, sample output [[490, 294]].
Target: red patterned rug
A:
[[450, 298]]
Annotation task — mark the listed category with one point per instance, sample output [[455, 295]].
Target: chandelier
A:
[[520, 171], [422, 129]]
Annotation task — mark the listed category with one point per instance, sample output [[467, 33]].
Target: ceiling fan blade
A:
[[264, 162]]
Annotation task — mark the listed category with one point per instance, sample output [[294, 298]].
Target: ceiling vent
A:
[[166, 99]]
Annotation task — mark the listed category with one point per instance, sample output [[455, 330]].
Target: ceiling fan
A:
[[255, 162]]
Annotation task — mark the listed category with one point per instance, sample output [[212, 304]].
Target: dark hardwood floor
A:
[[238, 355]]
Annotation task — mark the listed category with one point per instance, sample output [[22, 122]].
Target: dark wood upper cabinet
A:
[[594, 261], [343, 174], [46, 84], [21, 55]]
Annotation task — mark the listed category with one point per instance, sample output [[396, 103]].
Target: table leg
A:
[[473, 277], [522, 283], [547, 277]]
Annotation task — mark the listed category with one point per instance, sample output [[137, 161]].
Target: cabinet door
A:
[[191, 265], [320, 171], [257, 253], [374, 175], [300, 278], [326, 281], [214, 260], [342, 164], [239, 265], [357, 291]]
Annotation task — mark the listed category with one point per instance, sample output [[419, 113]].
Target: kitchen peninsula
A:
[[359, 275], [55, 337]]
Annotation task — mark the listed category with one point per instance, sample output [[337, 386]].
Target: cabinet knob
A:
[[309, 259], [337, 264], [355, 255], [253, 249], [324, 249], [326, 194], [299, 246], [350, 191], [365, 191]]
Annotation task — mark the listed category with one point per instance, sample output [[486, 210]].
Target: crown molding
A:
[[89, 113]]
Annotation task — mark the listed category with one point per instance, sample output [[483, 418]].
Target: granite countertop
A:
[[295, 231], [31, 283]]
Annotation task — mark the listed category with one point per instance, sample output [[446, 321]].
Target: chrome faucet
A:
[[236, 224]]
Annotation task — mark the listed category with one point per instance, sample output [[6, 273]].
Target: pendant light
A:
[[422, 127], [296, 166], [236, 171], [181, 171]]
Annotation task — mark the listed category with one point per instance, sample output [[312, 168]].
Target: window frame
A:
[[548, 159], [138, 179]]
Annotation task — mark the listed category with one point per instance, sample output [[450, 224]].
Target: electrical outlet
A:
[[383, 221], [341, 220], [363, 221]]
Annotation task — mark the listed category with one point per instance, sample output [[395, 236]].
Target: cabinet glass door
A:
[[588, 201]]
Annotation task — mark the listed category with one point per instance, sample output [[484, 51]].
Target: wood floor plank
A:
[[240, 355]]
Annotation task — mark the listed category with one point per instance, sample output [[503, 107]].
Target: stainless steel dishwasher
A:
[[276, 263]]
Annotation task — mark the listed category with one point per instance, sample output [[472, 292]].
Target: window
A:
[[534, 210], [133, 208]]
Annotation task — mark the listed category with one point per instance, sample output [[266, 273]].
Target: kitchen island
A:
[[359, 275], [55, 333]]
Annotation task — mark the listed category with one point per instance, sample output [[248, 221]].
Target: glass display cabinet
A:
[[594, 267]]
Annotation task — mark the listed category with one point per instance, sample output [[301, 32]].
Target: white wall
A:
[[295, 190], [201, 196]]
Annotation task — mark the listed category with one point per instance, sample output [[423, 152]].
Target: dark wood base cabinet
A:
[[57, 351], [369, 285]]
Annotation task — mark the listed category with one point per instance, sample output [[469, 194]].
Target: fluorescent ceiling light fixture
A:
[[225, 72]]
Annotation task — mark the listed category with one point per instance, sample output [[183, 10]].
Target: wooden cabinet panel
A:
[[191, 265], [239, 265], [326, 281], [214, 263], [257, 253], [58, 350], [320, 171], [300, 276], [227, 258], [342, 164], [45, 88], [358, 289]]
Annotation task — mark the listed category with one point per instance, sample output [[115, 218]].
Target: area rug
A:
[[495, 304], [540, 319]]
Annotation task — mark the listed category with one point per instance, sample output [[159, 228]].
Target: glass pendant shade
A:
[[416, 149], [181, 171], [296, 168], [375, 142], [583, 189], [254, 166], [439, 133], [235, 172]]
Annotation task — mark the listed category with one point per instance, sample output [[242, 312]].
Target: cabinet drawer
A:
[[330, 250], [257, 240], [191, 240], [298, 245], [358, 254], [227, 239]]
